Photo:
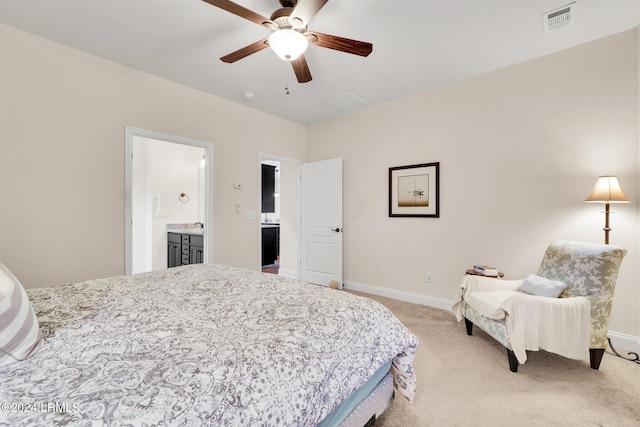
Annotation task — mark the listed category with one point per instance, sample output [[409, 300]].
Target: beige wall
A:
[[519, 150], [62, 137]]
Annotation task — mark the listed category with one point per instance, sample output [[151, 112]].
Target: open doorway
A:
[[279, 218], [168, 189], [270, 216]]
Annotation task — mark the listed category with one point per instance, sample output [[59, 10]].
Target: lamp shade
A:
[[607, 190], [288, 44]]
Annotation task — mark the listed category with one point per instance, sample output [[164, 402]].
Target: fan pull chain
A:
[[286, 79]]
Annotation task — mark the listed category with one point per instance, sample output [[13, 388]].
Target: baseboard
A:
[[622, 342], [436, 302], [288, 273]]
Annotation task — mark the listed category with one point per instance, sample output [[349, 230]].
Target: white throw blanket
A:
[[471, 283], [557, 325]]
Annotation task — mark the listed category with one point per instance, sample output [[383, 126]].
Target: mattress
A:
[[201, 344]]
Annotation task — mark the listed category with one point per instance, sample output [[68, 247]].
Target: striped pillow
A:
[[20, 335]]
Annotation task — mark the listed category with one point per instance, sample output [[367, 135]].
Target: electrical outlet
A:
[[385, 270], [429, 277]]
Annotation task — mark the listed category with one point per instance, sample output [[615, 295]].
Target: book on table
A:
[[485, 270]]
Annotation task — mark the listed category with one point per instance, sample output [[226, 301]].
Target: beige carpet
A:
[[465, 381]]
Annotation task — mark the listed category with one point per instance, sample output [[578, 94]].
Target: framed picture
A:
[[414, 190]]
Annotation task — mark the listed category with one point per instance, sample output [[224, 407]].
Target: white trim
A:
[[130, 132], [288, 273], [421, 299], [624, 343]]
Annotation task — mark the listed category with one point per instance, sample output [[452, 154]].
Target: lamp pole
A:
[[606, 228]]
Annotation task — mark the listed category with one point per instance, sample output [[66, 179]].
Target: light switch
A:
[[238, 208], [250, 215]]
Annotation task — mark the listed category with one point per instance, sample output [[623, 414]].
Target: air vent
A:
[[559, 18], [346, 101]]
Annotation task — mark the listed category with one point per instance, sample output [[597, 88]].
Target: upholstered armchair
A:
[[564, 308]]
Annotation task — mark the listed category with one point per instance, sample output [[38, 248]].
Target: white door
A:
[[321, 222]]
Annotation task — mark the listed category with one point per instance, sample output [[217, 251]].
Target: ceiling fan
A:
[[289, 36]]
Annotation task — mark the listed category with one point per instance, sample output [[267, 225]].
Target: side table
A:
[[473, 273]]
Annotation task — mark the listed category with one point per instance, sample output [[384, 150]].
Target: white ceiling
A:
[[417, 44]]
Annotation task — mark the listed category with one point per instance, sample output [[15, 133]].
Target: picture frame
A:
[[414, 190]]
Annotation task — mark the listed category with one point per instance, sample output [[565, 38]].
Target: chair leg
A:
[[469, 326], [595, 357], [513, 361]]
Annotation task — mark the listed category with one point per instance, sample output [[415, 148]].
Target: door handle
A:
[[337, 230]]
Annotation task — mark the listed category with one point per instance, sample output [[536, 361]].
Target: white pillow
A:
[[20, 335], [538, 285]]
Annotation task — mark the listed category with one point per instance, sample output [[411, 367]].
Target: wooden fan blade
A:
[[238, 10], [342, 44], [245, 51], [301, 69], [305, 10]]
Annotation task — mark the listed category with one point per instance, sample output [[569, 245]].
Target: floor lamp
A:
[[607, 191]]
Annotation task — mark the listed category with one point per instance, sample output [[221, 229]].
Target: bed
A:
[[206, 344]]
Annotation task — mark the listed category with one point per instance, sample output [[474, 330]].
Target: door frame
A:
[[130, 133], [262, 157]]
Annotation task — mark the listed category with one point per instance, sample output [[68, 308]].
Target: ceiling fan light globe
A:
[[288, 44]]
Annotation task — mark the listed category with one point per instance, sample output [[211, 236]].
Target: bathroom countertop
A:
[[270, 224], [185, 229], [195, 231]]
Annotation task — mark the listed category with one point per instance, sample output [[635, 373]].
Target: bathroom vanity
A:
[[185, 247]]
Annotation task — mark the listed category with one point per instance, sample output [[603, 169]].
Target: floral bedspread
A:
[[200, 344]]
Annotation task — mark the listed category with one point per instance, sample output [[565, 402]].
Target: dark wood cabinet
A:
[[174, 254], [268, 189], [196, 250], [270, 244], [184, 249]]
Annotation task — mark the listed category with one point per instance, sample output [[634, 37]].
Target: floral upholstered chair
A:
[[563, 309]]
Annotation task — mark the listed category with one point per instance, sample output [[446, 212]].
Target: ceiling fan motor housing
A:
[[281, 19]]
